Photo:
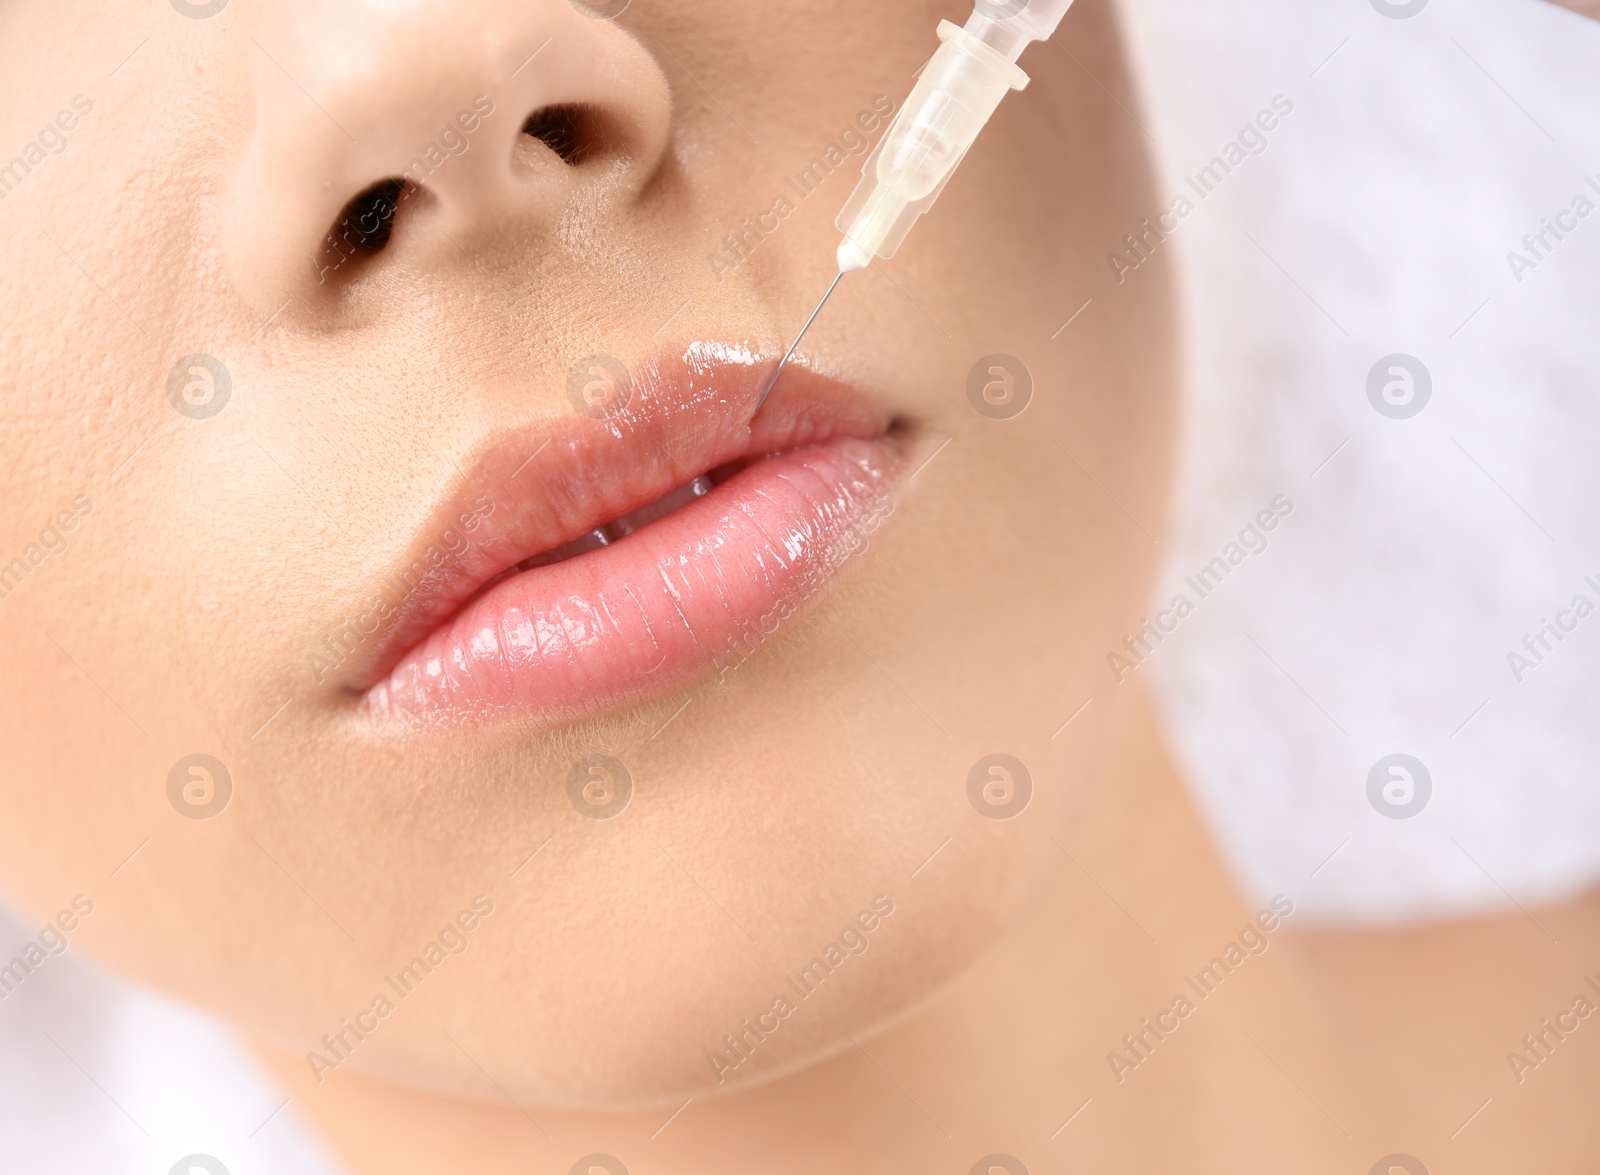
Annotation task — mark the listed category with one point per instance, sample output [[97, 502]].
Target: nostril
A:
[[573, 132], [369, 218], [363, 228]]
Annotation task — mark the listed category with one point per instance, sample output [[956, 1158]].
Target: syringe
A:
[[959, 89]]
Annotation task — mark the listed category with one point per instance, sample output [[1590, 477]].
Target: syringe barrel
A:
[[1009, 25], [959, 89]]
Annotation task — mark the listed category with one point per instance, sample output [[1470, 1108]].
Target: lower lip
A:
[[694, 592]]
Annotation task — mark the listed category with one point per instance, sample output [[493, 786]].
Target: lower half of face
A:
[[473, 667]]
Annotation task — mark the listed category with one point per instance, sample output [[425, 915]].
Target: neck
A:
[[1101, 1025]]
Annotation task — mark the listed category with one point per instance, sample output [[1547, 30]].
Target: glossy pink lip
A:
[[797, 490]]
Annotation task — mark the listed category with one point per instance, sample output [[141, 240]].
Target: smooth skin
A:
[[187, 214], [1322, 1055]]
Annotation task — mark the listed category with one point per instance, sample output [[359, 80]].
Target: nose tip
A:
[[411, 129]]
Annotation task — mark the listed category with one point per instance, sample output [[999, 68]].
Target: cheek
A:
[[835, 767]]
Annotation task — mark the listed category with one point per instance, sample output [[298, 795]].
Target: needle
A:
[[797, 338]]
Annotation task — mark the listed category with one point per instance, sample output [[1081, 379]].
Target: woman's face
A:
[[334, 332]]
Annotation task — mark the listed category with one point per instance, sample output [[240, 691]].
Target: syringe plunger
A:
[[959, 89]]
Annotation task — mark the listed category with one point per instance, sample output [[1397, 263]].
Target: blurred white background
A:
[[1419, 552]]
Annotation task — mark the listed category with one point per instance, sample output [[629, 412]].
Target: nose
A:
[[421, 129]]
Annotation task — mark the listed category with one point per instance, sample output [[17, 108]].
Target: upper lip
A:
[[531, 488]]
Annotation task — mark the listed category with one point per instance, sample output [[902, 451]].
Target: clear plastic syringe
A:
[[958, 90]]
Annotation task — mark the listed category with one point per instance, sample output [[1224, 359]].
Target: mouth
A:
[[628, 548]]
